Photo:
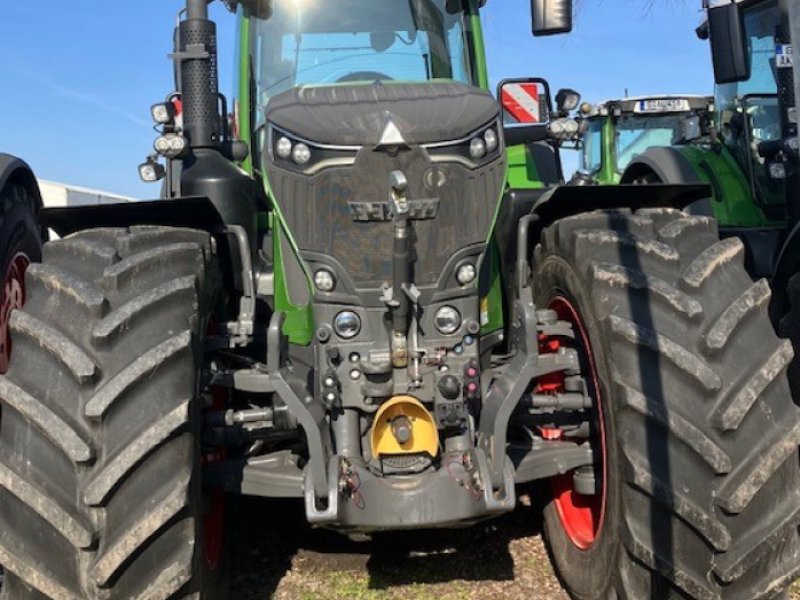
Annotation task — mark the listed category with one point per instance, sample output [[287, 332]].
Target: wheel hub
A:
[[581, 514], [12, 299]]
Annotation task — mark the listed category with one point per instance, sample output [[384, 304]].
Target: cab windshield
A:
[[635, 134], [760, 21], [316, 42]]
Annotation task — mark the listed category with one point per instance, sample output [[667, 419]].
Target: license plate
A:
[[662, 105], [783, 56]]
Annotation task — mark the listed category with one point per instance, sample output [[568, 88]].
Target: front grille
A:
[[318, 212]]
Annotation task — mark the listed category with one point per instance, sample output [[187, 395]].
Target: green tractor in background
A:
[[615, 132], [348, 296], [750, 158]]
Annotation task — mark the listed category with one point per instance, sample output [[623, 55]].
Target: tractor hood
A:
[[330, 154], [357, 114]]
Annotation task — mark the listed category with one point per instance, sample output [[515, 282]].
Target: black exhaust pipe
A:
[[207, 169], [199, 78]]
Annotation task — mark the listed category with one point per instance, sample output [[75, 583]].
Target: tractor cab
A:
[[616, 131], [427, 55], [361, 42], [754, 96]]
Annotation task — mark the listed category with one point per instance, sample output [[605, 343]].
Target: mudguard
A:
[[15, 168], [195, 213], [669, 165], [565, 200]]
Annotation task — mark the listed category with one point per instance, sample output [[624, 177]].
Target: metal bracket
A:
[[507, 389], [241, 330], [310, 415], [548, 459], [193, 52], [313, 492], [523, 268]]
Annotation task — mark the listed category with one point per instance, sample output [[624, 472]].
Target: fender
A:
[[564, 201], [528, 212], [668, 164], [13, 168], [195, 213]]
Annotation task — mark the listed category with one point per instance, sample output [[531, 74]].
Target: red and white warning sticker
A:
[[521, 100]]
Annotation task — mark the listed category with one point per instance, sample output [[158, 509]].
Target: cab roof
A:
[[655, 104]]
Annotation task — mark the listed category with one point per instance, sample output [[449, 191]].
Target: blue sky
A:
[[77, 78]]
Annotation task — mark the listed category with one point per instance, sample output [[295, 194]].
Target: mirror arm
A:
[[525, 134]]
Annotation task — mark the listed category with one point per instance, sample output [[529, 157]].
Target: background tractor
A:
[[343, 298], [750, 160], [615, 132]]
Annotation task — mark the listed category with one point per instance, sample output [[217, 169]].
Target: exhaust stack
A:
[[198, 76]]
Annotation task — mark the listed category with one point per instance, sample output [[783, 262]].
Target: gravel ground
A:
[[503, 558], [276, 555]]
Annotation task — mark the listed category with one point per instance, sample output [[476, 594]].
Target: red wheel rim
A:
[[13, 298], [582, 516], [214, 509]]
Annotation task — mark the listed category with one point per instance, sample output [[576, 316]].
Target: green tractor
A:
[[615, 132], [342, 299], [750, 158]]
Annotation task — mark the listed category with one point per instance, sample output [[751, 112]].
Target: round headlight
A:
[[301, 154], [170, 145], [162, 145], [571, 126], [283, 148], [447, 320], [490, 137], [178, 144], [347, 324], [557, 127], [466, 273], [477, 148], [324, 280]]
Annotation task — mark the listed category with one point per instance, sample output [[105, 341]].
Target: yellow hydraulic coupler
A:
[[404, 426]]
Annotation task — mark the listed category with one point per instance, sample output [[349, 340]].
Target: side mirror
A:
[[525, 101], [526, 109], [729, 45], [551, 16], [567, 100]]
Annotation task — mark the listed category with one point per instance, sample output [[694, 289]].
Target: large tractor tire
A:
[[789, 327], [101, 494], [695, 438], [20, 245]]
